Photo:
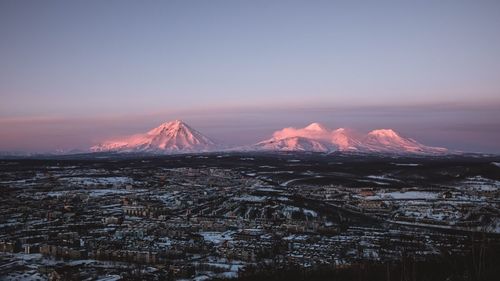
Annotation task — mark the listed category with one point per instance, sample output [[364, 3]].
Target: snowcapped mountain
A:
[[168, 138], [387, 140], [293, 144], [316, 137], [177, 137]]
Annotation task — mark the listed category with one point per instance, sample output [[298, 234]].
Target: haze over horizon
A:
[[76, 73]]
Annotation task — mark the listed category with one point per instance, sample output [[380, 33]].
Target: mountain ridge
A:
[[341, 139], [175, 137]]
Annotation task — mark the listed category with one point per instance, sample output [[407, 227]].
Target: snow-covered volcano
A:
[[387, 140], [177, 137], [314, 137], [170, 137], [317, 138], [293, 144]]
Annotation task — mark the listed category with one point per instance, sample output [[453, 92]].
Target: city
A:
[[230, 215]]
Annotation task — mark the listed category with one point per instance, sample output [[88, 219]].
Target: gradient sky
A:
[[75, 72]]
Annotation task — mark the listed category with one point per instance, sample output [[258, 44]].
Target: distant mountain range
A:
[[177, 137], [318, 138]]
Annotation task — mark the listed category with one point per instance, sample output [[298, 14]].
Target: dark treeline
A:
[[480, 263]]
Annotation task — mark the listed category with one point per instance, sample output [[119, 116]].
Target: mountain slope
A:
[[292, 144], [345, 140], [387, 140], [170, 137]]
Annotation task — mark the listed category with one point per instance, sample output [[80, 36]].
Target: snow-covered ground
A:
[[402, 195], [406, 164], [251, 198], [217, 237], [95, 192], [383, 177], [298, 179], [87, 181], [411, 195], [288, 210], [479, 183], [427, 213]]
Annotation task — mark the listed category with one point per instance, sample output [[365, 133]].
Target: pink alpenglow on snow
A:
[[168, 138], [313, 131], [177, 137], [318, 138], [295, 143], [387, 140]]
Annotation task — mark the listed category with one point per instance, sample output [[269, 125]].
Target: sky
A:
[[73, 73]]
